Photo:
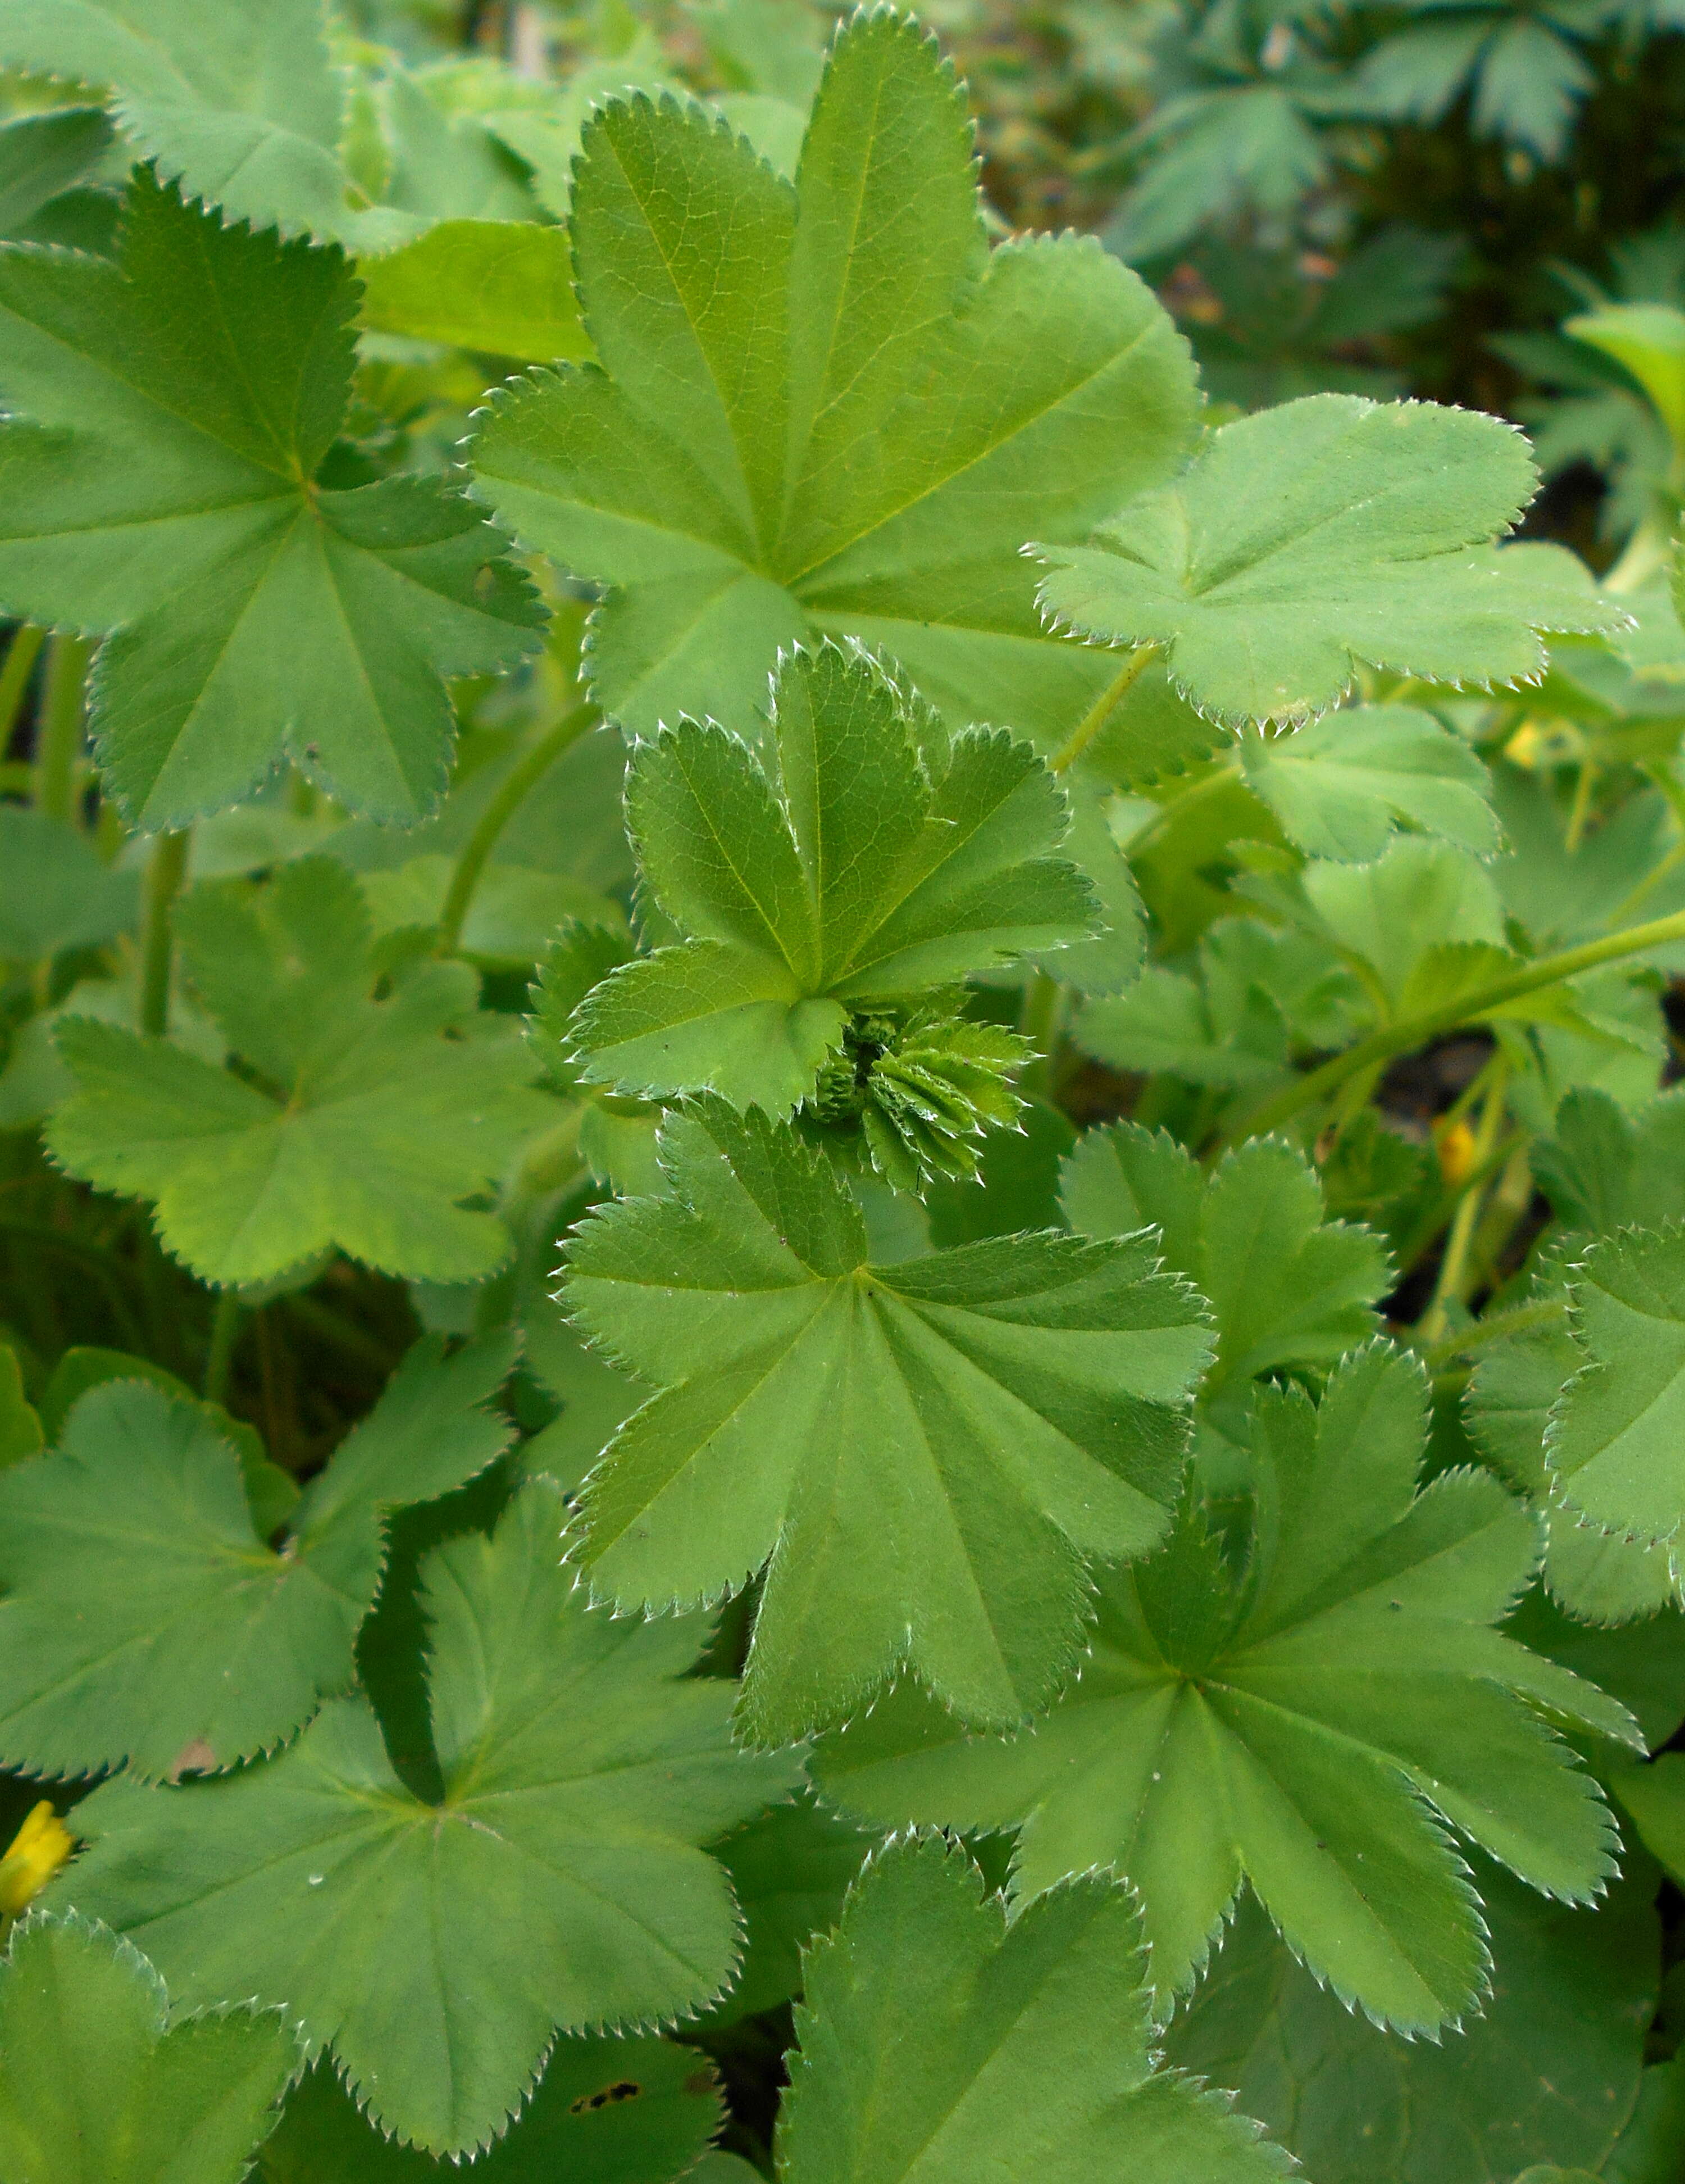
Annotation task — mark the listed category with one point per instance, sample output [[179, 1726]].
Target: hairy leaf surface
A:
[[358, 1123], [1312, 1727], [170, 413], [438, 1948], [839, 875], [923, 1454], [985, 2033], [1286, 1286], [1330, 533], [98, 2084], [1339, 785], [1616, 1443], [828, 408], [147, 1618]]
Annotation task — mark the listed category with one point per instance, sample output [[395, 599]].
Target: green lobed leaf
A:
[[1329, 534], [1313, 1726], [147, 1618], [357, 1123], [1606, 1169], [241, 102], [791, 1870], [438, 1948], [838, 875], [505, 287], [1286, 1287], [1547, 2070], [829, 410], [100, 2087], [1654, 1794], [938, 2043], [1616, 1442], [1596, 1575], [55, 890], [928, 1451], [1341, 784], [170, 413], [606, 2111]]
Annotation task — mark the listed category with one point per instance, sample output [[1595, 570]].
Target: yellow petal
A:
[[34, 1854]]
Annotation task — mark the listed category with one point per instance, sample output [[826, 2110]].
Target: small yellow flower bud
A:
[[1456, 1153], [34, 1854]]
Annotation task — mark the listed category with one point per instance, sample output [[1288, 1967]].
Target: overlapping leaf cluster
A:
[[624, 1011]]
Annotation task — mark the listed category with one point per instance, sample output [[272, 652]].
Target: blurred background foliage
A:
[[1378, 198]]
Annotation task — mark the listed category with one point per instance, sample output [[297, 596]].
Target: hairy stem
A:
[[165, 871], [512, 793], [1411, 1032], [1134, 667], [1523, 1319]]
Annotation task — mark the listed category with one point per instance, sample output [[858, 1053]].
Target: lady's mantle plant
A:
[[606, 1395]]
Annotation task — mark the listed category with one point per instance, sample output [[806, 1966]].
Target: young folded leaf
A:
[[1021, 2051], [1312, 1725], [168, 415], [358, 1123], [606, 2111], [841, 874], [1616, 1443], [1288, 1288], [913, 1095], [928, 1452], [1326, 535], [556, 1885], [829, 407], [146, 1617], [99, 2084]]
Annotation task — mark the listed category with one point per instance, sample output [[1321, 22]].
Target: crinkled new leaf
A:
[[842, 874]]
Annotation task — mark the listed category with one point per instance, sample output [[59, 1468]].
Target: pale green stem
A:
[[21, 654], [1411, 1032], [1152, 831], [220, 1359], [166, 869], [59, 744], [1038, 1020], [511, 794], [1523, 1319], [1134, 667]]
